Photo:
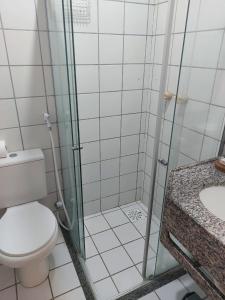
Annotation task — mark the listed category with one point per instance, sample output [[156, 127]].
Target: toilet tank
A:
[[22, 177]]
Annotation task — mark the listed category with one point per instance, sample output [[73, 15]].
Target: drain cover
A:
[[135, 214]]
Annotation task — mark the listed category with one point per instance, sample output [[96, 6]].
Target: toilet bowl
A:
[[28, 233], [28, 229]]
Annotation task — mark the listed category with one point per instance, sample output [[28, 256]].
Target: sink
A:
[[213, 198]]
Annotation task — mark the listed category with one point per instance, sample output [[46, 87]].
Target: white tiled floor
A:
[[115, 243], [114, 263], [61, 284]]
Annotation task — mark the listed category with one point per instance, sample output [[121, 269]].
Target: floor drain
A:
[[135, 214]]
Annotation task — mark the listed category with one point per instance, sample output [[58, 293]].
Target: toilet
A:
[[28, 229]]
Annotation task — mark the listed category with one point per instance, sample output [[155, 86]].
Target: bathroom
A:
[[110, 110]]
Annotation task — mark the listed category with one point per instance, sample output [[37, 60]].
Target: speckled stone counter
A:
[[198, 230]]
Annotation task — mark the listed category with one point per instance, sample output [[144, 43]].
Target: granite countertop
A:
[[184, 186]]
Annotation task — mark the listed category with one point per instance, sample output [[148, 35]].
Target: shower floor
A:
[[114, 248]]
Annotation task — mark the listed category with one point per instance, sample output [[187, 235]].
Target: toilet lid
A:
[[26, 228]]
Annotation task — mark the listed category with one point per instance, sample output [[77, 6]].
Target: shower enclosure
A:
[[139, 90]]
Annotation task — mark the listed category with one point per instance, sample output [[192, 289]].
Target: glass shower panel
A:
[[199, 112], [61, 44]]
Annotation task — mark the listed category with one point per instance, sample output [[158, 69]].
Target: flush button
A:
[[13, 155]]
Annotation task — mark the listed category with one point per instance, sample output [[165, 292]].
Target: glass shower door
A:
[[63, 66]]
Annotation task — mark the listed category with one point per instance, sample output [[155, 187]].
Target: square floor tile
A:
[[96, 268], [7, 277], [191, 285], [175, 289], [59, 256], [127, 279], [105, 240], [63, 279], [8, 294], [41, 291], [105, 289], [135, 250], [151, 296], [126, 233], [90, 248], [116, 260], [76, 294], [96, 224], [116, 218]]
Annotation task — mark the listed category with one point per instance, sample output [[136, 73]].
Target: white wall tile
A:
[[89, 130], [214, 9], [37, 136], [128, 164], [129, 144], [134, 49], [110, 78], [131, 102], [161, 20], [110, 103], [111, 17], [5, 83], [138, 13], [23, 47], [128, 182], [133, 76], [92, 207], [207, 48], [109, 202], [87, 79], [110, 49], [18, 15], [110, 127], [12, 139], [8, 114], [86, 46], [28, 81], [88, 105], [90, 172], [130, 124], [91, 191], [110, 148], [201, 84], [110, 168], [215, 122], [191, 143], [110, 186], [90, 152], [31, 110], [219, 89]]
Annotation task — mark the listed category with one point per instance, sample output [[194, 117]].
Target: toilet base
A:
[[34, 273]]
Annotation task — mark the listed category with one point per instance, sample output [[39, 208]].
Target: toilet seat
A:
[[26, 229]]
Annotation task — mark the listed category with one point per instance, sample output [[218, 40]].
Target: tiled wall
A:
[[110, 55], [26, 87], [199, 119]]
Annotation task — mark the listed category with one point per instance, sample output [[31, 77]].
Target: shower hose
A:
[[70, 224]]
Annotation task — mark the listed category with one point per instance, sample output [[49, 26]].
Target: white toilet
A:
[[28, 229]]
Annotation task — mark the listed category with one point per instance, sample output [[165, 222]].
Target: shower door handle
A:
[[77, 147], [163, 162]]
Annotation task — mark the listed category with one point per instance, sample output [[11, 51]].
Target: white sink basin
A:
[[213, 198]]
